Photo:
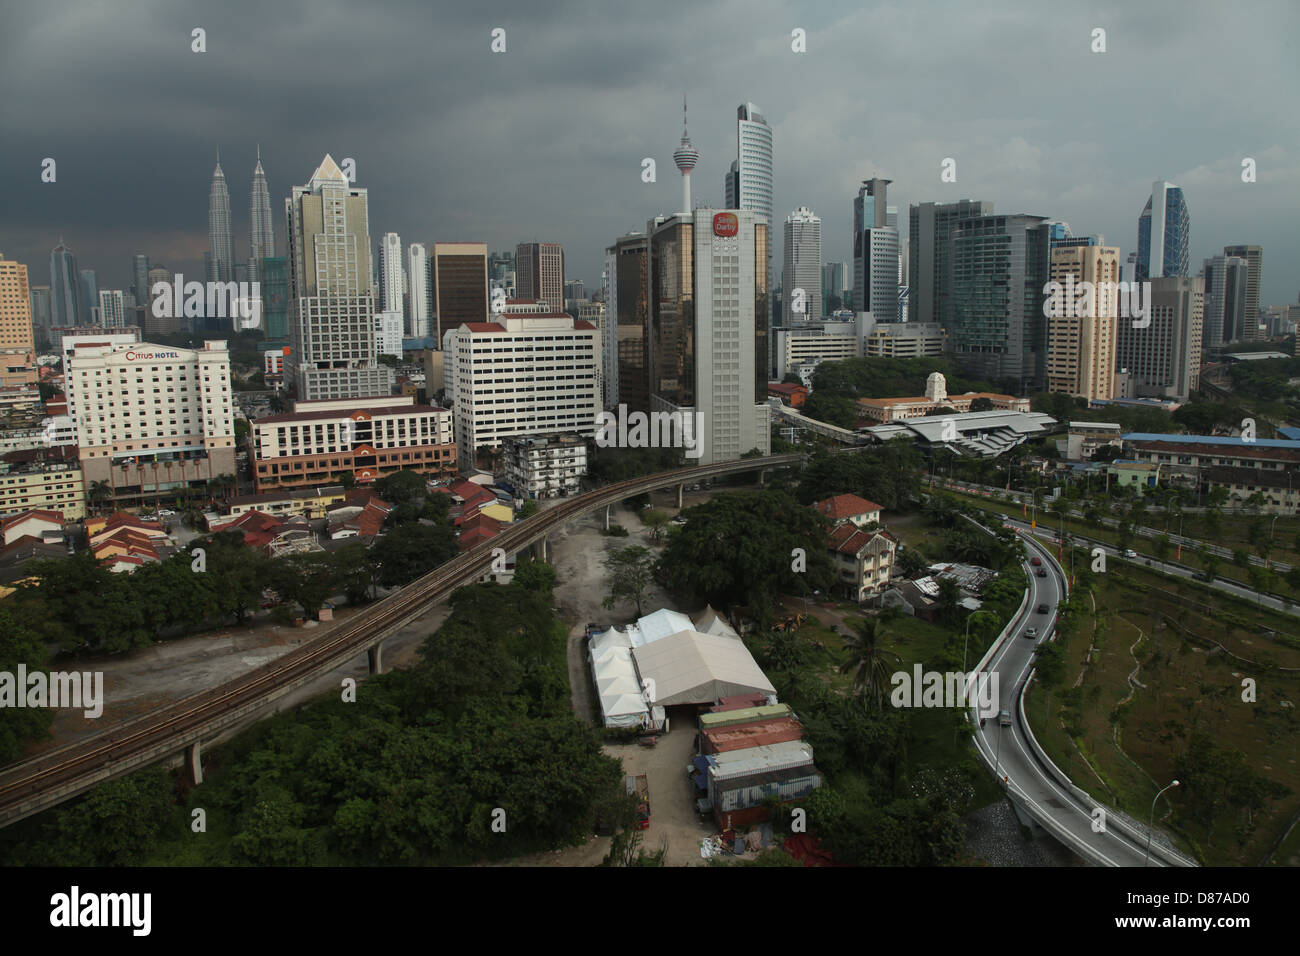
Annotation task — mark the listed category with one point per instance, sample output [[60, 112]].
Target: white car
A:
[[166, 512], [1130, 553]]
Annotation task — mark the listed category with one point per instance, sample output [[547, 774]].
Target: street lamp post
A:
[[1151, 822]]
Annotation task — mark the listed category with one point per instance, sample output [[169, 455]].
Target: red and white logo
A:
[[725, 224]]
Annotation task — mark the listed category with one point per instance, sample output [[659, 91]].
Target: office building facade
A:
[[1164, 233], [997, 329], [1081, 340], [803, 260], [929, 245], [331, 300], [460, 284], [17, 335], [1250, 322], [539, 273], [520, 375], [1163, 359]]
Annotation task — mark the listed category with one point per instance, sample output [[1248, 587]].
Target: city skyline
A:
[[584, 190]]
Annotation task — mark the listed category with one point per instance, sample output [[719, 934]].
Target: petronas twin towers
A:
[[220, 260]]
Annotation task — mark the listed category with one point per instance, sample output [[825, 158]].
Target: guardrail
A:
[[1113, 818]]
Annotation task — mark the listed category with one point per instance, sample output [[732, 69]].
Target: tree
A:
[[655, 520], [865, 659], [100, 493], [534, 575], [748, 548], [410, 551], [18, 725], [401, 487], [982, 404], [528, 510], [1162, 546], [629, 571]]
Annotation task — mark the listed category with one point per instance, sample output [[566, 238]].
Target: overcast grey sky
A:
[[545, 141]]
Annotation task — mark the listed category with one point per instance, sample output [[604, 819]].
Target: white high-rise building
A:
[[417, 285], [752, 176], [331, 295], [391, 277], [388, 333], [708, 329], [150, 419], [112, 309], [803, 273], [521, 375]]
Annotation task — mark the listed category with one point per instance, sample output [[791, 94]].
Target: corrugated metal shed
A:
[[760, 733], [744, 715]]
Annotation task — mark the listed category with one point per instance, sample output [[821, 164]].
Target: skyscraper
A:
[[1254, 256], [753, 171], [221, 242], [331, 301], [391, 282], [539, 273], [41, 319], [65, 288], [419, 291], [261, 234], [627, 344], [88, 288], [875, 252], [929, 245], [1164, 233], [707, 327], [460, 284], [1225, 280], [1163, 359], [1081, 348], [275, 300], [803, 257], [999, 270], [17, 337], [140, 272], [112, 309]]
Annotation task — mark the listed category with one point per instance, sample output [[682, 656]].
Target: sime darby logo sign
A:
[[725, 224]]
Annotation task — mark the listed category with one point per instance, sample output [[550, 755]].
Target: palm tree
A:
[[866, 660], [100, 492]]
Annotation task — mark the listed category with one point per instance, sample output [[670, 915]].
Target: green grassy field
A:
[[1120, 741]]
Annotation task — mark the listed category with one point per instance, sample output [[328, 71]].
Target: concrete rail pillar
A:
[[194, 758], [375, 659]]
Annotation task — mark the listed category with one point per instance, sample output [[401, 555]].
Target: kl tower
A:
[[686, 156]]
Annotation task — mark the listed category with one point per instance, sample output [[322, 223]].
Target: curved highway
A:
[[33, 785], [1031, 780]]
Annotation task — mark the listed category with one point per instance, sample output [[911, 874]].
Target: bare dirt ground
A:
[[167, 672]]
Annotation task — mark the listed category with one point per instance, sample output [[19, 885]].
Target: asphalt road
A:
[[1008, 748], [1219, 584]]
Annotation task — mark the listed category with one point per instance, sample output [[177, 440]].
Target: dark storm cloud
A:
[[545, 141]]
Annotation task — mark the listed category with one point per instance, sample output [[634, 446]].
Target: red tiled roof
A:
[[40, 513], [840, 507]]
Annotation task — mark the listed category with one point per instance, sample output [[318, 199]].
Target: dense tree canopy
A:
[[740, 548]]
